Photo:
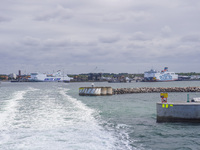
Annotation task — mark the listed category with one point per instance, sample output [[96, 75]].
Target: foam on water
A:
[[8, 113], [51, 119], [9, 109], [106, 136], [90, 135]]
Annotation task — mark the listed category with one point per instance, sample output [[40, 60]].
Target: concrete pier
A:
[[178, 112], [95, 91]]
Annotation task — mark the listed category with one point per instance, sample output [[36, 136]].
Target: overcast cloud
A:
[[116, 36]]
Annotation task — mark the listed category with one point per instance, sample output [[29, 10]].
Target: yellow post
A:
[[164, 95]]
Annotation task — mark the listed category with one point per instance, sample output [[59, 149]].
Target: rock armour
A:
[[155, 90]]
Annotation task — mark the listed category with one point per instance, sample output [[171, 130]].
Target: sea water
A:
[[52, 116]]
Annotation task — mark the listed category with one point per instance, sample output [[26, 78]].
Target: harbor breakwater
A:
[[99, 91], [155, 90]]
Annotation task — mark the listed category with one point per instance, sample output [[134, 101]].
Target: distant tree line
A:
[[85, 75], [132, 75], [188, 74], [3, 76]]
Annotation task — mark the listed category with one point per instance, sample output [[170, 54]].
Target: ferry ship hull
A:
[[37, 77], [163, 76]]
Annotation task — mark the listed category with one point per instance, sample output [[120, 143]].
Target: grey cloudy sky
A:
[[116, 36]]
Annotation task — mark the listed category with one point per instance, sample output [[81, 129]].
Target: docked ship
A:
[[164, 75], [55, 77]]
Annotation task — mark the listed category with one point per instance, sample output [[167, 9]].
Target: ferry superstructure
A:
[[164, 75], [55, 77]]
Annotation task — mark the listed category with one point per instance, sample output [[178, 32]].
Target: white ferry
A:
[[55, 77], [164, 75]]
